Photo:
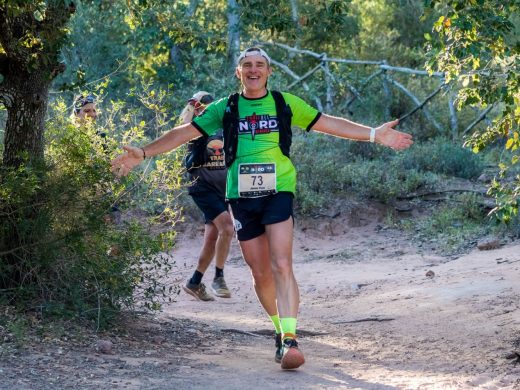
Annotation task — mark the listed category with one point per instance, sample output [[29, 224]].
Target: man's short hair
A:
[[253, 51]]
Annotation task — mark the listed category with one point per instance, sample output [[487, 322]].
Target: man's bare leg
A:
[[224, 226], [256, 255], [194, 286], [280, 238], [208, 247]]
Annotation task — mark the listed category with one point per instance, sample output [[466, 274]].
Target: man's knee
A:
[[282, 267], [226, 231], [262, 277]]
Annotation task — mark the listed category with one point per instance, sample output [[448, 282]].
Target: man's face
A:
[[88, 112], [253, 72]]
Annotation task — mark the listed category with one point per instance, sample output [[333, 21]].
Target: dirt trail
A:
[[381, 322], [372, 317]]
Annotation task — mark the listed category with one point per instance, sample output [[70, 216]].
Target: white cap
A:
[[253, 51], [199, 95]]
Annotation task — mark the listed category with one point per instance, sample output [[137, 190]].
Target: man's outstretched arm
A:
[[384, 134], [133, 155]]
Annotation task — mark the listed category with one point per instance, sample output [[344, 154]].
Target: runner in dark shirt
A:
[[207, 173]]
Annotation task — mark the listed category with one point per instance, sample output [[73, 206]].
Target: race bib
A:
[[255, 180]]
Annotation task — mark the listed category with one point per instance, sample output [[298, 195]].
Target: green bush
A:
[[328, 167], [444, 157], [60, 246]]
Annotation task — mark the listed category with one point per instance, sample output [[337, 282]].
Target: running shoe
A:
[[198, 291], [279, 348], [219, 288], [292, 356]]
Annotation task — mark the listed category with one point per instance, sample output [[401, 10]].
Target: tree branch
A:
[[301, 78], [381, 63], [421, 105], [363, 85], [453, 117], [287, 70], [48, 32], [58, 15], [41, 242], [479, 119], [329, 78], [417, 102], [410, 71], [292, 49], [5, 30]]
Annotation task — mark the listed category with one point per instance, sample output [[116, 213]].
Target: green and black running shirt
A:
[[260, 168]]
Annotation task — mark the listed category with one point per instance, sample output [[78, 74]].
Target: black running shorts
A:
[[250, 215], [210, 203]]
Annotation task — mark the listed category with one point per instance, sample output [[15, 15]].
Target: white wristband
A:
[[372, 135]]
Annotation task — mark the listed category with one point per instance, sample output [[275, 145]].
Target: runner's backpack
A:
[[231, 119], [196, 155]]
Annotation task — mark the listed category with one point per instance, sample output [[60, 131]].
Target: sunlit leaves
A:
[[34, 32], [475, 45]]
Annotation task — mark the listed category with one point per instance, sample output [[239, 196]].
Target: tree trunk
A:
[[26, 109], [233, 31], [27, 68], [25, 95], [296, 20]]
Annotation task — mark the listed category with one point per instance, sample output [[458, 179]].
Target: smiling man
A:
[[261, 180]]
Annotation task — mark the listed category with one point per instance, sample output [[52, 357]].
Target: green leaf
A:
[[38, 15]]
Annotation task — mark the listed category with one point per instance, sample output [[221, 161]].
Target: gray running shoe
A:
[[279, 348], [198, 291], [219, 288]]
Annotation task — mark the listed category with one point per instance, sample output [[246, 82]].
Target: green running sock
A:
[[288, 327], [276, 323]]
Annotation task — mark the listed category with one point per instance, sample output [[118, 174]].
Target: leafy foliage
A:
[[443, 157], [84, 262], [328, 167], [477, 46]]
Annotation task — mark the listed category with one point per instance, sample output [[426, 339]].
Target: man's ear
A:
[[237, 72]]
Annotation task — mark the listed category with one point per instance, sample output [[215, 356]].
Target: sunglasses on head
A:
[[205, 100], [83, 101]]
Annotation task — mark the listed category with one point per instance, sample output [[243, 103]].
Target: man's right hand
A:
[[124, 163]]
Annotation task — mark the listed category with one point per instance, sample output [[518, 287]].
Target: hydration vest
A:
[[196, 153], [231, 120]]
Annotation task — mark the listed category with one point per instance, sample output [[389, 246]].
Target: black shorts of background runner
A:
[[252, 214], [210, 203]]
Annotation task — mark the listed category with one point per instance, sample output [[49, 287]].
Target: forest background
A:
[[449, 69]]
